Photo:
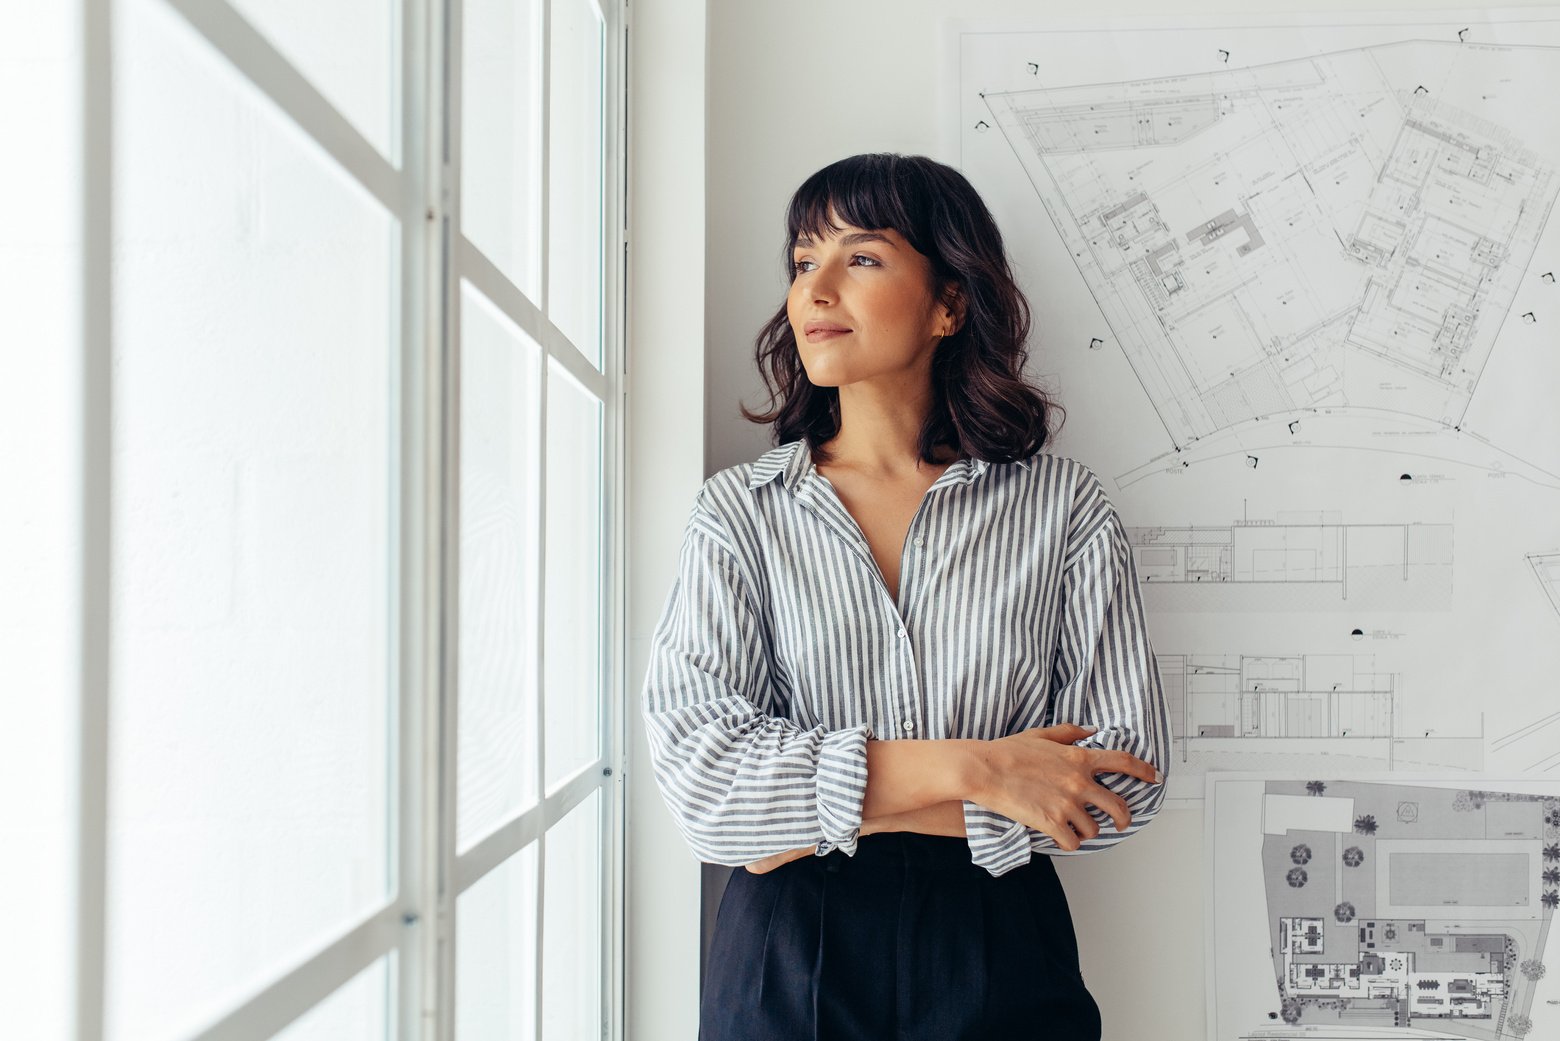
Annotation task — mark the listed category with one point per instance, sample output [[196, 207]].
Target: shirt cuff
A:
[[997, 843], [842, 784]]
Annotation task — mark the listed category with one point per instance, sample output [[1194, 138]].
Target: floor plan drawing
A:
[[1298, 561], [1391, 909], [1244, 712], [1302, 234]]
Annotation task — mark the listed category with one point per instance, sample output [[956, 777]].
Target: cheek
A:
[[895, 306]]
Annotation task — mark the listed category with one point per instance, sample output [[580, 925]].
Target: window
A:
[[313, 711]]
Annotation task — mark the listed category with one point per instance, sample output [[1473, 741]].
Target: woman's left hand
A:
[[759, 867]]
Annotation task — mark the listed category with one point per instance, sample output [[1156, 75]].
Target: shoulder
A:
[[777, 462], [1067, 479], [725, 493], [1078, 491], [725, 504]]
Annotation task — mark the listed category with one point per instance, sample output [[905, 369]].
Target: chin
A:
[[822, 380]]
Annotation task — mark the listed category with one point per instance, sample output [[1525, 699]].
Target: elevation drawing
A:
[[1299, 561], [1275, 712]]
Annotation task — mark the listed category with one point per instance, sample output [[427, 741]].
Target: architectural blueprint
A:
[[1346, 908], [1294, 281], [1296, 561], [1280, 712], [1372, 248]]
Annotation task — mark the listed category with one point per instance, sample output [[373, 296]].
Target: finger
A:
[[1086, 826], [1114, 761], [1113, 806], [1061, 833], [1066, 733]]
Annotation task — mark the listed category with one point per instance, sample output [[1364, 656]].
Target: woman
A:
[[905, 649]]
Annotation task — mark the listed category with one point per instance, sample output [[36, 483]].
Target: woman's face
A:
[[861, 305]]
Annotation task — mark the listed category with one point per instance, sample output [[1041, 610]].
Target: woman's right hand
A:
[[1041, 779]]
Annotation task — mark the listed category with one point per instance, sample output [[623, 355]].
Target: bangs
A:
[[868, 191]]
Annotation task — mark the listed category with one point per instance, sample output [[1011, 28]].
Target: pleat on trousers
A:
[[906, 941]]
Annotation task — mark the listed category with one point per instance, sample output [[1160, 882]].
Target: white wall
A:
[[793, 87], [666, 464]]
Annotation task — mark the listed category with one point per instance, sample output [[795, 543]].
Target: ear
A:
[[952, 301]]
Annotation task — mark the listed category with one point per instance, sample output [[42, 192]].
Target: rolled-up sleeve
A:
[[1104, 675], [742, 781]]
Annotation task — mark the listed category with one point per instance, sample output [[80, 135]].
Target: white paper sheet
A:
[[1293, 281]]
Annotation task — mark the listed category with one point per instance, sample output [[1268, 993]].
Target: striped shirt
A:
[[780, 651]]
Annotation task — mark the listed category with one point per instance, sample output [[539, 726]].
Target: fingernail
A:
[[1159, 776], [1089, 729]]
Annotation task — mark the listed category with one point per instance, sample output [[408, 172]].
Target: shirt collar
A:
[[792, 462]]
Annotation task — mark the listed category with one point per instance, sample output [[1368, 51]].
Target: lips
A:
[[818, 331]]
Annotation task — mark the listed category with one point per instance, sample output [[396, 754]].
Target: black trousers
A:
[[905, 941]]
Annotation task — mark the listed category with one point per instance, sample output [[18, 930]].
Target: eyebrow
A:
[[803, 242]]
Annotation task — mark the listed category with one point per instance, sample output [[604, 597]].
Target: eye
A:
[[797, 268]]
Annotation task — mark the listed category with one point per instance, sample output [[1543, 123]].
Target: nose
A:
[[820, 285]]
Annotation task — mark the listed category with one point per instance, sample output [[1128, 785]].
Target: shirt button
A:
[[919, 540], [909, 724], [901, 632]]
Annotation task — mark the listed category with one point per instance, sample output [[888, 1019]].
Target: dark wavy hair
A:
[[981, 404]]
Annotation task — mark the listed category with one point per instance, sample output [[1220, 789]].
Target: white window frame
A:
[[418, 922]]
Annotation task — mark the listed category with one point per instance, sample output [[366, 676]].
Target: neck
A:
[[884, 454]]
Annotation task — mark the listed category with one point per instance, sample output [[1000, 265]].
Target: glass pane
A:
[[573, 620], [252, 605], [349, 50], [501, 136], [40, 528], [500, 431], [359, 1010], [495, 954], [571, 932], [575, 176]]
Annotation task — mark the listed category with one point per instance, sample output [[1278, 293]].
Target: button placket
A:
[[908, 725]]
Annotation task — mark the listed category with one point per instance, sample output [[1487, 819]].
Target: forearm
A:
[[916, 786], [742, 785], [944, 818], [912, 775]]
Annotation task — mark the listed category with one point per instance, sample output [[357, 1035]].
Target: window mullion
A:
[[96, 473], [428, 509], [613, 674], [541, 519]]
